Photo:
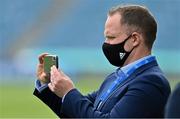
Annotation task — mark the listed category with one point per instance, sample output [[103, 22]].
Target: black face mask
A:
[[115, 53]]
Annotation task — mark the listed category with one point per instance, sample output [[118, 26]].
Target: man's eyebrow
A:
[[109, 36]]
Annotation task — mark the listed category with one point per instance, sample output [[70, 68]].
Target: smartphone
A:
[[49, 61]]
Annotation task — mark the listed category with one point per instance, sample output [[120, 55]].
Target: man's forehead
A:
[[112, 25]]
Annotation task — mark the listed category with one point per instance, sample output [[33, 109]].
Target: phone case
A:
[[49, 61]]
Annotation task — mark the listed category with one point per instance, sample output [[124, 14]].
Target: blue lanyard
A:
[[122, 78]]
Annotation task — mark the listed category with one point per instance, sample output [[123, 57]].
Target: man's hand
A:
[[41, 75], [60, 84]]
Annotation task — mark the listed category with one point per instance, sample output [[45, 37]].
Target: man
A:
[[137, 88]]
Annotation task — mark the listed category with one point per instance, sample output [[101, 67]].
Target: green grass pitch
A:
[[17, 101]]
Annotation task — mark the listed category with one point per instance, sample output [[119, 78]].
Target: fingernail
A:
[[51, 67]]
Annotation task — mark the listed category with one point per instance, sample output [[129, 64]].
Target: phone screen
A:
[[49, 61]]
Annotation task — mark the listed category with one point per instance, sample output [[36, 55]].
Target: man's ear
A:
[[136, 39]]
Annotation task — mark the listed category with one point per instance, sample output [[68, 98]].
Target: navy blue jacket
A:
[[143, 94]]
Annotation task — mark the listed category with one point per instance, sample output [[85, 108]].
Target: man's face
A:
[[114, 32]]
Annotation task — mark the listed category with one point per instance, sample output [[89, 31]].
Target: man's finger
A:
[[54, 68], [42, 76], [51, 87], [55, 71], [41, 57], [52, 77]]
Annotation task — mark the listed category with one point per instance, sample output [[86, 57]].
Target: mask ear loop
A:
[[126, 39], [125, 42]]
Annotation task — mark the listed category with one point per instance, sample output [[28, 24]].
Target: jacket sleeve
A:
[[54, 102], [140, 100], [50, 99]]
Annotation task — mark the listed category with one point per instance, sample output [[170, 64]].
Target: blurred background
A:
[[72, 29]]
